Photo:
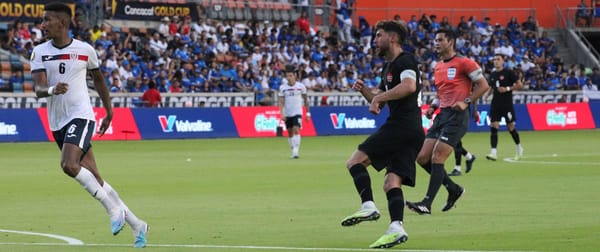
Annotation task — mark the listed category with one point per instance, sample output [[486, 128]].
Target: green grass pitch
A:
[[247, 195]]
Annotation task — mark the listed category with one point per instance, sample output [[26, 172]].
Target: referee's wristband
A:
[[51, 90]]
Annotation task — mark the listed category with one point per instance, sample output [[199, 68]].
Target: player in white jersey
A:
[[59, 68], [292, 95]]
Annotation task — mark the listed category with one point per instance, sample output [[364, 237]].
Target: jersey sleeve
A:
[[280, 94], [36, 61], [92, 59], [409, 68], [472, 70]]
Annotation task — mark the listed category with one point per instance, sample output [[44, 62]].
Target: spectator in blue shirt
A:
[[275, 81]]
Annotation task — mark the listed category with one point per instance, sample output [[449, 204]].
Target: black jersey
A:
[[502, 78], [405, 111]]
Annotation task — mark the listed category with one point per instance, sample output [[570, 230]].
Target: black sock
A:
[[458, 152], [427, 167], [395, 204], [494, 137], [435, 182], [362, 182], [515, 136]]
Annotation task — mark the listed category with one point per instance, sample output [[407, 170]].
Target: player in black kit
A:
[[503, 81], [395, 144]]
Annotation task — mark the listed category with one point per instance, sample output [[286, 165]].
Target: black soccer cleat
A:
[[452, 198], [455, 173], [418, 207], [470, 163]]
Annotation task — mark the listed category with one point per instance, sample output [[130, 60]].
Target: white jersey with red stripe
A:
[[293, 99], [69, 65]]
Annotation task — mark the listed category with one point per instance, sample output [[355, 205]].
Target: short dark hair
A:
[[59, 7], [448, 33], [393, 26]]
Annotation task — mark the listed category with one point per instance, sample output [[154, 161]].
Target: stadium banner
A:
[[178, 123], [223, 100], [128, 100], [122, 127], [147, 11], [595, 110], [348, 120], [561, 116], [25, 10], [264, 121], [522, 119], [21, 125]]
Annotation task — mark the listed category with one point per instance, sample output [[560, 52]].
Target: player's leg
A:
[[296, 138], [470, 158], [458, 150], [357, 166], [138, 226], [395, 233], [514, 134], [493, 140]]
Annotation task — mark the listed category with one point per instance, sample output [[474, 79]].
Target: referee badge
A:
[[451, 73]]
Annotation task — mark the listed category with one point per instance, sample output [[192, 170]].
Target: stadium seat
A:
[[286, 13], [17, 87], [28, 86]]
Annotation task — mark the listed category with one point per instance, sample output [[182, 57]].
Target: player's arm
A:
[[40, 82], [102, 90], [359, 85], [407, 86], [281, 102], [480, 86], [518, 84]]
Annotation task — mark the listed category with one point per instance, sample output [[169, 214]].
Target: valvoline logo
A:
[[337, 120], [166, 123], [171, 124], [340, 121]]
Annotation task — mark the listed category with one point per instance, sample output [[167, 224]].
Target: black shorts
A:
[[395, 149], [506, 111], [292, 121], [78, 132], [449, 126]]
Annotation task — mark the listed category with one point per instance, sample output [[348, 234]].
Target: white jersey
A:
[[292, 95], [68, 65]]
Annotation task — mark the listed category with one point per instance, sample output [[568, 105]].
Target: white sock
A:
[[457, 167], [130, 217], [469, 156], [396, 226], [290, 143], [368, 204], [519, 149], [493, 151], [90, 184], [296, 141]]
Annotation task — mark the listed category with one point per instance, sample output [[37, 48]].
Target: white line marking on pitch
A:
[[69, 240], [553, 156], [240, 247]]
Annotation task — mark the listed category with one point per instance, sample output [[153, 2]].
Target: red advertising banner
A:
[[263, 122], [123, 126], [561, 116]]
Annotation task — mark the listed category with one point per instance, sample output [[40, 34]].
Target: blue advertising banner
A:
[[523, 121], [352, 120], [21, 125], [167, 123], [595, 108]]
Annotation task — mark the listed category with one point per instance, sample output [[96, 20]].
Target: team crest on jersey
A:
[[73, 56], [451, 73], [501, 77], [389, 77]]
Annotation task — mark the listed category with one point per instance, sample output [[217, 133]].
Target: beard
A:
[[381, 51]]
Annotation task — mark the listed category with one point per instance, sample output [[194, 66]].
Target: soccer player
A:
[[459, 80], [292, 96], [59, 68], [504, 81], [394, 146]]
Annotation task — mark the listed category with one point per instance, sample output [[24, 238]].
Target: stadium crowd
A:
[[185, 55]]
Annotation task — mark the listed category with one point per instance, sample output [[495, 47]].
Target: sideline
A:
[[399, 248], [69, 240]]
